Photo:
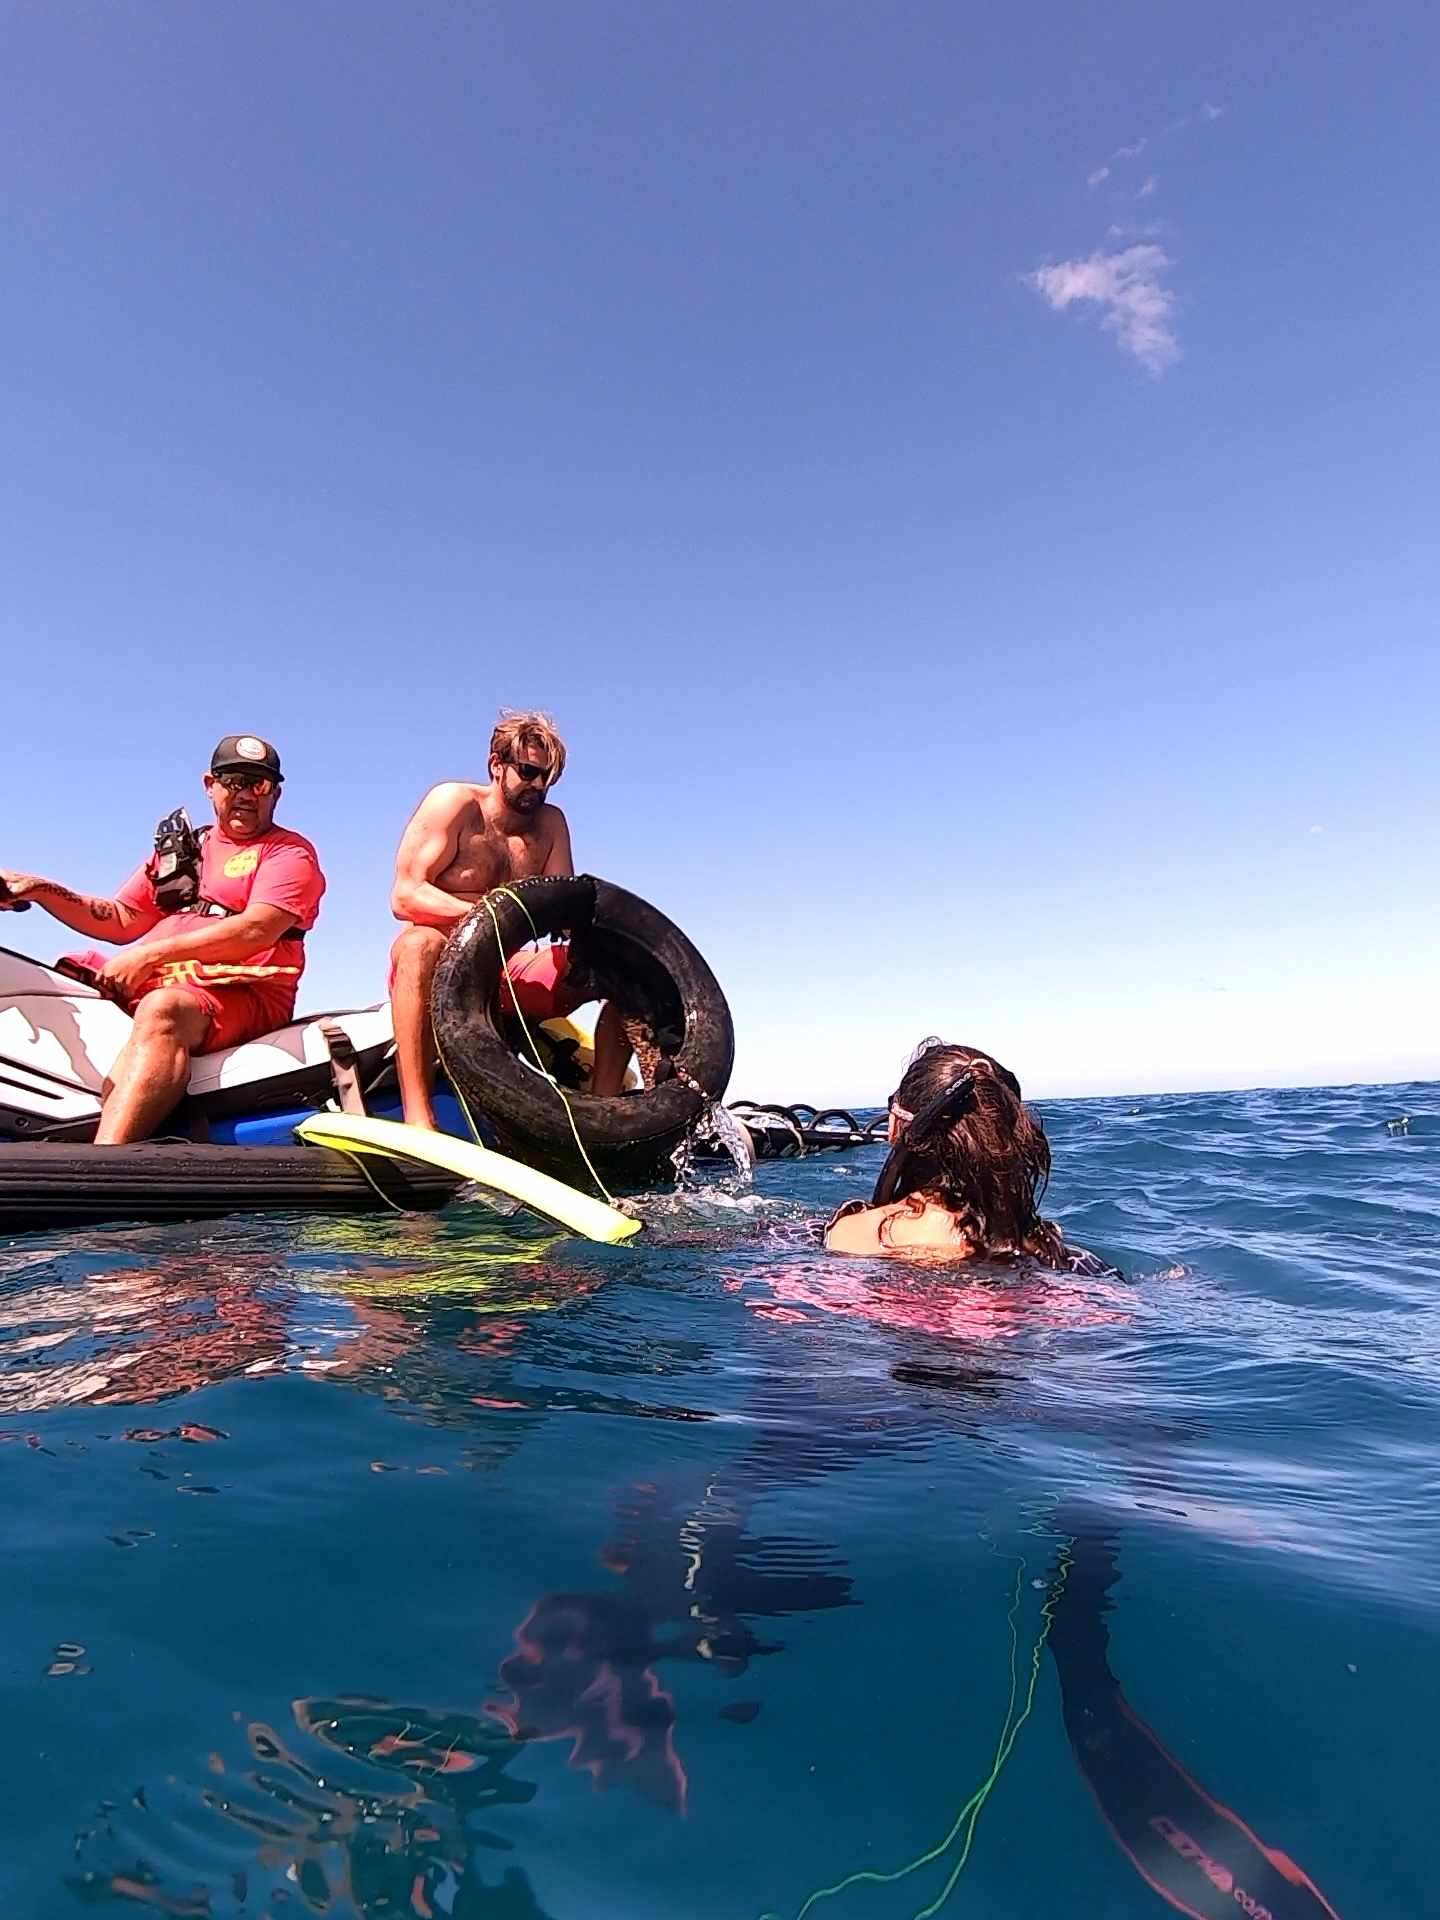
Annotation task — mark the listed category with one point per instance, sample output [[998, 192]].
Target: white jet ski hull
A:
[[59, 1040]]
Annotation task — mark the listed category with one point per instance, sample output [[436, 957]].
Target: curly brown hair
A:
[[970, 1144], [531, 731]]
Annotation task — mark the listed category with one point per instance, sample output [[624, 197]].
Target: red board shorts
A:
[[540, 983], [239, 1010], [537, 975]]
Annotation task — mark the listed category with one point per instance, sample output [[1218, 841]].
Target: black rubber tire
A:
[[817, 1124], [630, 953], [45, 1185], [775, 1139]]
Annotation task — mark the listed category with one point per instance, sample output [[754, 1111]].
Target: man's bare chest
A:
[[485, 857]]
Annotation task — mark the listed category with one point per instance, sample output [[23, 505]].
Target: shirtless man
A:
[[464, 840]]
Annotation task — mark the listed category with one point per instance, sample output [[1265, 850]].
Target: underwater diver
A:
[[1193, 1851], [968, 1163], [463, 840], [214, 923]]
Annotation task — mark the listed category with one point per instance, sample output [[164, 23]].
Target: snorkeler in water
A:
[[968, 1163]]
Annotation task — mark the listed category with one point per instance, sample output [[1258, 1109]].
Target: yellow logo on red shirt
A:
[[239, 864]]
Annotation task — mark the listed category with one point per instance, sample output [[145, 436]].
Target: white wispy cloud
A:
[[1124, 278], [1205, 111], [1125, 285], [1117, 158]]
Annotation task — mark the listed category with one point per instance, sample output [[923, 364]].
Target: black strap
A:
[[950, 1100]]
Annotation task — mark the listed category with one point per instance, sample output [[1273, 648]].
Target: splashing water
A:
[[716, 1127]]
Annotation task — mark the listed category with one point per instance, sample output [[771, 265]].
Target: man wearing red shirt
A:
[[206, 975]]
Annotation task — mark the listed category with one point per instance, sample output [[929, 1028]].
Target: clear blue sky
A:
[[981, 596]]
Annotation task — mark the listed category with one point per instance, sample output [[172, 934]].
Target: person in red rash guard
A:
[[223, 968]]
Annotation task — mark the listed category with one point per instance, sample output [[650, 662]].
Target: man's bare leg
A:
[[153, 1068], [415, 954], [612, 1053]]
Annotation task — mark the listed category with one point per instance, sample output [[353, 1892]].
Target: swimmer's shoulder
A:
[[858, 1229], [855, 1229]]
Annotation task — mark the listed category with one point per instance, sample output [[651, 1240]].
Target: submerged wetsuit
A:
[[1194, 1852]]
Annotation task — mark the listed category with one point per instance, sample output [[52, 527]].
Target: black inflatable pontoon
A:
[[49, 1186]]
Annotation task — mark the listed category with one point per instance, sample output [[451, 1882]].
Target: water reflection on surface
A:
[[364, 1807], [541, 1580], [375, 1806]]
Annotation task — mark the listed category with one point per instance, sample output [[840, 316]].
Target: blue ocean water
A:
[[443, 1566]]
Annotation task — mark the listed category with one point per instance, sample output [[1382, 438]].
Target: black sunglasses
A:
[[527, 770], [256, 783]]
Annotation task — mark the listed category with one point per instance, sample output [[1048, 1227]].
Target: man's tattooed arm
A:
[[98, 909], [86, 913]]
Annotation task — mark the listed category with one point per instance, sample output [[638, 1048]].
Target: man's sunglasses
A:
[[260, 784], [527, 771]]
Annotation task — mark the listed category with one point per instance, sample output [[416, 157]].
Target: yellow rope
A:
[[487, 903], [1006, 1745], [357, 1160], [969, 1814]]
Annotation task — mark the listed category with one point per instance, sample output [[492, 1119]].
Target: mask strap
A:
[[917, 1127]]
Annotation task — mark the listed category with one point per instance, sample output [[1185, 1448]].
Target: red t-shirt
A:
[[279, 869]]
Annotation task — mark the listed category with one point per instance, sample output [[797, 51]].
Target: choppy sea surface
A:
[[443, 1566]]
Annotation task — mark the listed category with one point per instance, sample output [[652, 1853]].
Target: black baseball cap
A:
[[245, 753]]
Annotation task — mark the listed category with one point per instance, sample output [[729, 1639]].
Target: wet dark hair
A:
[[970, 1144]]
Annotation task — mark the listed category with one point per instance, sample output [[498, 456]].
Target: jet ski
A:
[[59, 1038], [314, 1104]]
